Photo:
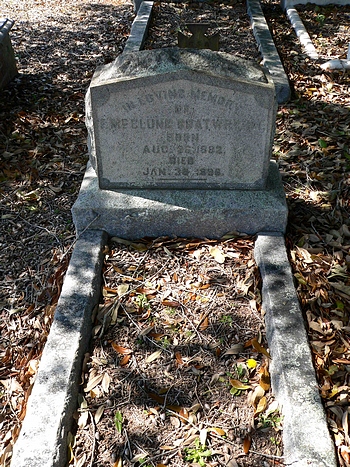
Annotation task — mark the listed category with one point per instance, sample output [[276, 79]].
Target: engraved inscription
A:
[[170, 95], [179, 133], [182, 124], [174, 172]]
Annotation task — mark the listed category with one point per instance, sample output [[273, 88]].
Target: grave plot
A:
[[228, 19], [178, 372], [329, 29]]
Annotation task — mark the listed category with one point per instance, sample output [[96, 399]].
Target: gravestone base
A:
[[135, 214]]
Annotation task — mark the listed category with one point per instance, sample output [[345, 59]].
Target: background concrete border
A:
[[267, 48]]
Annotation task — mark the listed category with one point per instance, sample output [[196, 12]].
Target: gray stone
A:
[[43, 438], [202, 213], [139, 28], [267, 48], [181, 119], [307, 442], [8, 69]]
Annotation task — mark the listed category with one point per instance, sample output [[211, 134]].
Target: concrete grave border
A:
[[288, 6], [306, 438], [43, 438], [267, 48]]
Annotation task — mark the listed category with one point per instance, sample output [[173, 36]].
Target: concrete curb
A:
[[43, 438], [307, 442], [302, 33], [139, 28], [271, 59]]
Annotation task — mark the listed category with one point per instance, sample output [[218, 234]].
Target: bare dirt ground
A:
[[43, 157], [177, 368]]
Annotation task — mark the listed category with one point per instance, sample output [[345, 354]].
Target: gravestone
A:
[[8, 69], [177, 119], [180, 144]]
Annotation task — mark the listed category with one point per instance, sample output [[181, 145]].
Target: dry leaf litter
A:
[[178, 373], [43, 148]]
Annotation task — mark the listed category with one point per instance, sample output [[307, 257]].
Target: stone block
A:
[[43, 438], [185, 213], [181, 119], [8, 69], [307, 441]]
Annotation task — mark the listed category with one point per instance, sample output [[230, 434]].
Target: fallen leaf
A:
[[153, 356], [239, 385], [98, 414], [118, 462], [105, 382], [125, 360], [83, 418], [262, 404], [93, 382], [217, 254], [247, 443], [184, 414], [234, 350], [175, 422], [204, 324], [120, 349], [218, 431], [203, 436], [265, 381], [256, 395], [178, 357], [122, 289], [171, 303], [259, 348]]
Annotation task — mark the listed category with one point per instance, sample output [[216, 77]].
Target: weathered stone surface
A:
[[43, 438], [181, 119], [307, 442], [8, 69], [139, 27], [267, 48], [201, 213]]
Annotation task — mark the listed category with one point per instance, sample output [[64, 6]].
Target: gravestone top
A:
[[181, 119], [170, 60]]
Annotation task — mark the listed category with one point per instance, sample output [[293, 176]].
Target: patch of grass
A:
[[198, 454]]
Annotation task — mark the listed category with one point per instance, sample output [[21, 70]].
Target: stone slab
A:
[[301, 33], [43, 438], [267, 48], [307, 442], [181, 118], [139, 28], [134, 214], [8, 68]]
